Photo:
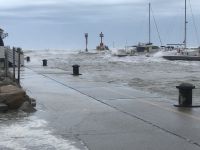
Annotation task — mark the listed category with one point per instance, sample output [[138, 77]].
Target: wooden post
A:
[[6, 62], [13, 63], [19, 64]]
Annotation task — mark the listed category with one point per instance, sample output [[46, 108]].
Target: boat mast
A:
[[185, 38], [149, 23]]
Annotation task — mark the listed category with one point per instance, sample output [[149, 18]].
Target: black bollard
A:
[[185, 94], [76, 70], [27, 58], [44, 62]]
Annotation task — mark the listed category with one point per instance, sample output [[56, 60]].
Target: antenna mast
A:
[[149, 23], [185, 38]]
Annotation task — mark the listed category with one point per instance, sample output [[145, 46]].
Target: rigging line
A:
[[156, 27], [194, 23]]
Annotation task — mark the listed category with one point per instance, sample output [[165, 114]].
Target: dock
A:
[[183, 57], [106, 116]]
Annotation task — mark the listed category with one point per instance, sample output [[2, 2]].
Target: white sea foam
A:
[[32, 134]]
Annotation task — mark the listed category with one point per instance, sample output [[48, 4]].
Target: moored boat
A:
[[185, 53], [182, 57]]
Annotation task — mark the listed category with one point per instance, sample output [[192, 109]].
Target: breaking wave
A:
[[32, 135]]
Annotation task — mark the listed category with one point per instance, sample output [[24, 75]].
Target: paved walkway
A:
[[103, 116]]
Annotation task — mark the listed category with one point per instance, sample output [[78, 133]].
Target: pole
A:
[[86, 41], [13, 64], [19, 63], [185, 39], [6, 62], [149, 23], [101, 35]]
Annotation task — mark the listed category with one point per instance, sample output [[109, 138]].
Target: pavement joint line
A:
[[126, 99], [97, 133], [157, 126], [127, 113], [164, 108], [75, 136], [98, 86], [131, 96], [172, 110]]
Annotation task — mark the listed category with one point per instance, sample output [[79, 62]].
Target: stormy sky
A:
[[61, 24]]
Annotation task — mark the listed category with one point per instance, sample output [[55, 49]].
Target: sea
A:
[[152, 74]]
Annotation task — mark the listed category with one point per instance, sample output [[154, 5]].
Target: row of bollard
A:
[[44, 63], [185, 89]]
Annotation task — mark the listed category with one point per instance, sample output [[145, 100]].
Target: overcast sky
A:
[[61, 24]]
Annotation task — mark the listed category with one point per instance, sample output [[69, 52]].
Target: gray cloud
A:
[[63, 18]]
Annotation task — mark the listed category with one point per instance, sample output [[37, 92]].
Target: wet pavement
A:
[[74, 113]]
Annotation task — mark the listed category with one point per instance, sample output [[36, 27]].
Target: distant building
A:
[[1, 37], [6, 49]]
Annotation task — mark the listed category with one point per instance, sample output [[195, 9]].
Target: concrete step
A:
[[3, 107]]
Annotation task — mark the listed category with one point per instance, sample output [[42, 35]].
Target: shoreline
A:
[[13, 97]]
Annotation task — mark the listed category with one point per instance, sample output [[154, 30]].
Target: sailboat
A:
[[184, 55], [141, 48], [147, 47]]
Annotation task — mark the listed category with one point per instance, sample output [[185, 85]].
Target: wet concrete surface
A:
[[105, 116]]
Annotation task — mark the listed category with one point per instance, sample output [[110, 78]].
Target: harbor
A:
[[74, 76], [105, 107]]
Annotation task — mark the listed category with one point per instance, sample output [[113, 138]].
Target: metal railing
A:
[[11, 58]]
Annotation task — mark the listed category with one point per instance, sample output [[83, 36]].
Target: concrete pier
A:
[[104, 116]]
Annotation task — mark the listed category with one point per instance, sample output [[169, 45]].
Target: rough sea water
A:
[[153, 74], [29, 133], [20, 131]]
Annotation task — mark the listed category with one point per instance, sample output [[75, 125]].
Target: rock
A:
[[27, 107], [12, 95], [30, 100], [33, 102], [3, 107], [6, 81]]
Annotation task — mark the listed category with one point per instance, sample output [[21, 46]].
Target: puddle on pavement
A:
[[31, 133]]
